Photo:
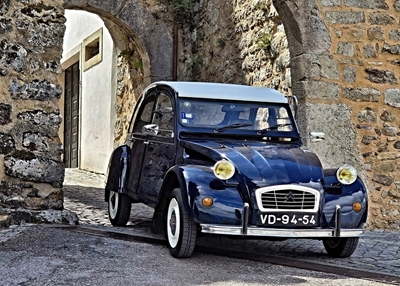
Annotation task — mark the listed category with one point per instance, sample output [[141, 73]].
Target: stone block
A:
[[316, 90], [349, 74], [389, 131], [383, 179], [397, 5], [369, 51], [31, 168], [367, 4], [394, 49], [375, 33], [312, 66], [385, 167], [387, 116], [362, 94], [389, 156], [392, 97], [394, 35], [7, 143], [4, 6], [38, 117], [5, 113], [381, 76], [5, 26], [330, 3], [36, 89], [345, 17], [378, 18], [346, 49], [367, 115], [12, 55]]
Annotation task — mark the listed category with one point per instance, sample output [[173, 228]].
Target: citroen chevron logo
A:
[[290, 198]]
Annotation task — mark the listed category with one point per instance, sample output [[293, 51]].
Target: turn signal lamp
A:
[[207, 202], [346, 174], [357, 207], [224, 170]]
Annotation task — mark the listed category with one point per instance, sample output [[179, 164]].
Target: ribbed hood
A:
[[263, 163]]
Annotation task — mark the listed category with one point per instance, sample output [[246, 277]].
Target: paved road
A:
[[378, 251], [58, 252]]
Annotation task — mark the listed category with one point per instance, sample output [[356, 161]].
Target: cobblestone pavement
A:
[[378, 251]]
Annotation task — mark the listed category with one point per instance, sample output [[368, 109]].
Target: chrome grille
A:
[[288, 198]]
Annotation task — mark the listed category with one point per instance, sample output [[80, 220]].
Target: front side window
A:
[[223, 116], [145, 114]]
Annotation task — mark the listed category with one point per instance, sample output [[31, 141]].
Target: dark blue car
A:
[[228, 159]]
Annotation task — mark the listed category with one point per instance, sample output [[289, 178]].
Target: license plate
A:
[[298, 220]]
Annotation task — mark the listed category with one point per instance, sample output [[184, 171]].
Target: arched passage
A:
[[152, 35]]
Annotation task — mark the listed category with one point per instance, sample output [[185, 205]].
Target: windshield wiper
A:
[[262, 131], [232, 126]]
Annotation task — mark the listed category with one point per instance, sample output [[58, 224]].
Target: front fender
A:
[[118, 170], [197, 182], [345, 196]]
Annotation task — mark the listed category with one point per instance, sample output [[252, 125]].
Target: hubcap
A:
[[173, 223], [332, 242], [113, 204]]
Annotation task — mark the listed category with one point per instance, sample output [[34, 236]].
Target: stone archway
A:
[[151, 34], [314, 72]]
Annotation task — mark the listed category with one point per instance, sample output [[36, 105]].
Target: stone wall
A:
[[365, 46], [31, 172]]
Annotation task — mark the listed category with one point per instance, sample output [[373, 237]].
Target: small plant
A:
[[262, 6], [127, 54], [182, 10], [264, 42], [138, 64], [221, 42], [197, 61]]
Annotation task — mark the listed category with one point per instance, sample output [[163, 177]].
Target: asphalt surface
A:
[[47, 255]]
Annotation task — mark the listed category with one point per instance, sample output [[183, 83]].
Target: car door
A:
[[160, 150], [137, 141]]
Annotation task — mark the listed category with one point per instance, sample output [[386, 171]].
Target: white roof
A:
[[224, 91]]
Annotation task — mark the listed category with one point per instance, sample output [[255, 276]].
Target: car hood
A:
[[263, 163]]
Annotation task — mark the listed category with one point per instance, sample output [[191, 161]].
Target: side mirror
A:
[[317, 136], [294, 104], [151, 129]]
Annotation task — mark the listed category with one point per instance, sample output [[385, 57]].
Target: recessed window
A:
[[92, 49]]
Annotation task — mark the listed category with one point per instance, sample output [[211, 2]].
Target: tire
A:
[[340, 247], [181, 230], [119, 208]]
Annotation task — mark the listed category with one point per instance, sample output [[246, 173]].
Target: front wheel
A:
[[181, 229], [340, 247], [119, 208]]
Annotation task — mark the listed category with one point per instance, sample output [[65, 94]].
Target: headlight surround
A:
[[224, 170], [346, 174]]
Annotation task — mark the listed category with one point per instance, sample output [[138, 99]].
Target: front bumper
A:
[[246, 230]]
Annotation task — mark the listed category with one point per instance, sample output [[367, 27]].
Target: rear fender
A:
[[118, 170]]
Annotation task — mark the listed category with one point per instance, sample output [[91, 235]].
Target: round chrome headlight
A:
[[346, 174], [224, 170]]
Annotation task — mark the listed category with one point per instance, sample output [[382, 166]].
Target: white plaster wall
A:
[[98, 89]]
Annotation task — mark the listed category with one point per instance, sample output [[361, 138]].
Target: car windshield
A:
[[222, 116]]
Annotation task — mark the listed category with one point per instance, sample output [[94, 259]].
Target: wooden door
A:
[[71, 116]]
